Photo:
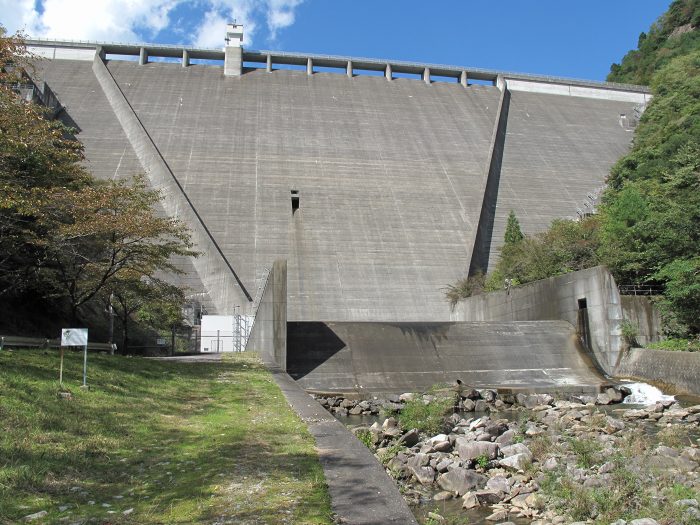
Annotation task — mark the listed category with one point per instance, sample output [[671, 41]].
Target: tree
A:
[[154, 302], [103, 233], [513, 233], [34, 153]]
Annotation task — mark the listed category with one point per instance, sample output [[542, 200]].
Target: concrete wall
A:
[[558, 298], [268, 336], [391, 174], [678, 372], [215, 271], [370, 358], [641, 312]]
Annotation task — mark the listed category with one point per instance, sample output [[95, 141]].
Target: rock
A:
[[481, 406], [517, 448], [666, 452], [419, 460], [499, 515], [461, 480], [606, 467], [488, 497], [550, 464], [614, 395], [496, 429], [436, 518], [535, 501], [424, 475], [687, 503], [408, 396], [692, 454], [488, 395], [533, 400], [410, 438], [520, 501], [438, 438], [442, 446], [347, 403], [36, 516], [468, 405], [635, 414], [643, 521], [613, 425], [389, 422], [127, 512], [355, 411], [498, 484], [516, 462], [442, 496], [506, 438], [470, 501], [63, 508], [443, 465], [469, 450]]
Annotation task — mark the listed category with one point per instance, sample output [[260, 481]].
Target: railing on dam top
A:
[[351, 64]]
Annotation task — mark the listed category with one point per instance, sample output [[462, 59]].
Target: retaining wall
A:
[[677, 372]]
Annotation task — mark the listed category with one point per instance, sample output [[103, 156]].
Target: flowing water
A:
[[644, 394]]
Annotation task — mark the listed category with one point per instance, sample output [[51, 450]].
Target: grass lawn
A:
[[153, 442]]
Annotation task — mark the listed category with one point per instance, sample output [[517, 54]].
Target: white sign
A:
[[74, 337]]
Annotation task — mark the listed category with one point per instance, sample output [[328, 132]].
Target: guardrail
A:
[[38, 342], [640, 289]]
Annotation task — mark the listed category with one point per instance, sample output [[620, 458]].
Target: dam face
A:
[[378, 191]]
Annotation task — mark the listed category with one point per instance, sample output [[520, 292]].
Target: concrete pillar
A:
[[349, 68], [309, 66], [101, 53], [233, 61], [185, 58], [268, 66], [463, 79], [426, 75], [500, 82], [387, 72], [143, 56]]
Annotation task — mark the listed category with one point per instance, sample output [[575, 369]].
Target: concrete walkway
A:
[[361, 491]]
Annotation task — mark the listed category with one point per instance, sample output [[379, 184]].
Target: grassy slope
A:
[[175, 442]]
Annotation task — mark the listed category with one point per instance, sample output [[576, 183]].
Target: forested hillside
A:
[[647, 230]]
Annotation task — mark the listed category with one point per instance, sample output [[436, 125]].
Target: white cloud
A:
[[139, 20], [280, 14], [18, 15]]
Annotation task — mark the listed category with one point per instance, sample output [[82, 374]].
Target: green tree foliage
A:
[[674, 34], [64, 234], [513, 233], [651, 213]]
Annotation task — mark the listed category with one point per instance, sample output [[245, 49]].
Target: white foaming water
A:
[[643, 394]]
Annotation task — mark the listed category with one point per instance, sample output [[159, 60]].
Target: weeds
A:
[[586, 451], [426, 417], [365, 436]]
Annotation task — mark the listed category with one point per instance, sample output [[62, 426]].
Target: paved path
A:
[[361, 491]]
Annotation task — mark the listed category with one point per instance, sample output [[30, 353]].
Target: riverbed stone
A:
[[470, 501], [516, 462], [36, 516], [498, 484], [461, 480], [488, 497], [506, 438], [643, 521], [410, 438], [424, 475], [469, 450], [516, 448]]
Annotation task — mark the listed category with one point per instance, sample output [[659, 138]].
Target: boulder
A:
[[408, 396], [506, 438], [424, 475], [410, 438], [517, 448], [498, 484], [516, 462], [488, 395], [488, 497], [469, 450], [481, 406], [461, 480], [643, 521], [419, 460], [355, 411], [442, 496], [470, 501], [468, 405], [389, 422]]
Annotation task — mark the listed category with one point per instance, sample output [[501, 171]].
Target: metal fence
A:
[[640, 289]]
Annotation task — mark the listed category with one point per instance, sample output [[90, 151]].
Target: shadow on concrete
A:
[[309, 345]]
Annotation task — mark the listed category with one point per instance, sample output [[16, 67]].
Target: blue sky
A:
[[564, 38]]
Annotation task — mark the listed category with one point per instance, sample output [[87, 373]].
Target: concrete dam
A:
[[379, 182]]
